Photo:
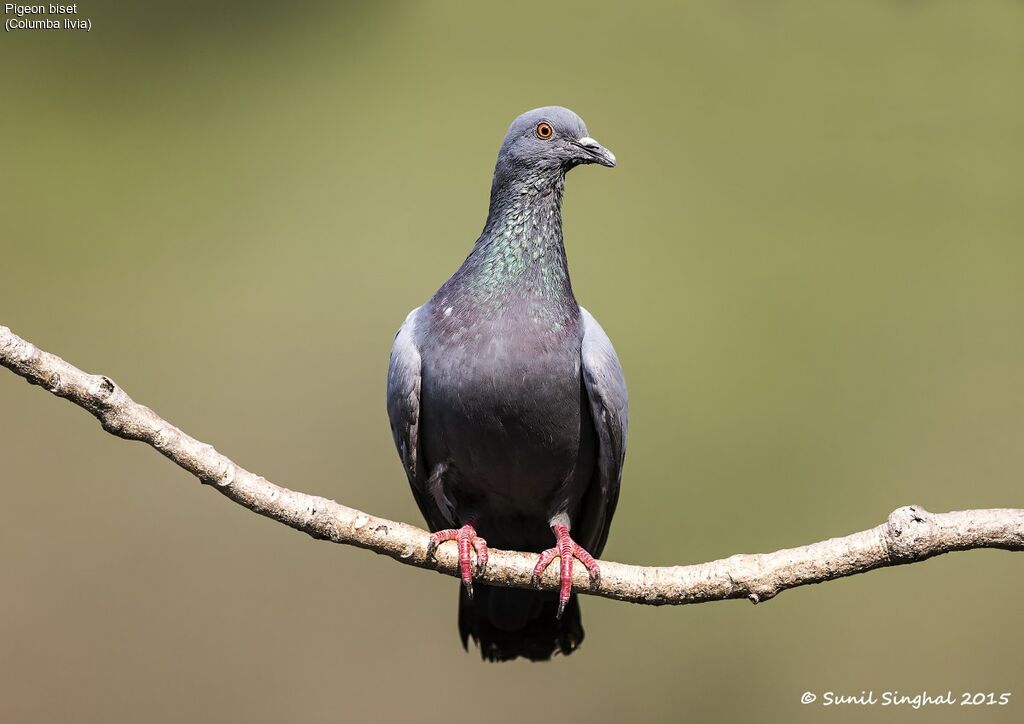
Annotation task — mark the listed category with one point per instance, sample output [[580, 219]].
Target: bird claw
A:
[[566, 550], [468, 540]]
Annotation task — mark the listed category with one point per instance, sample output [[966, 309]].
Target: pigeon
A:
[[508, 404]]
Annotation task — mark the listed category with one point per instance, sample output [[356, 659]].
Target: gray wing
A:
[[404, 376], [609, 409]]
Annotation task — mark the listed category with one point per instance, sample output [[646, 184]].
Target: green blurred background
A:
[[809, 258]]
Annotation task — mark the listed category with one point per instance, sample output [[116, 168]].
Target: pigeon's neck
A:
[[521, 250]]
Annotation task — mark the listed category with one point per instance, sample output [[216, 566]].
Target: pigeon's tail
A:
[[511, 622]]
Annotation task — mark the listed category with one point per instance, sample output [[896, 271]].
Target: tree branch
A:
[[910, 534]]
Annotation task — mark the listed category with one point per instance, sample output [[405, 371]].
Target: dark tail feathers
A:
[[511, 622]]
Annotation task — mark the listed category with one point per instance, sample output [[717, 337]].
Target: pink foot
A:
[[467, 538], [566, 549]]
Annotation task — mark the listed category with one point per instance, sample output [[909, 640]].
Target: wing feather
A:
[[605, 386], [404, 381]]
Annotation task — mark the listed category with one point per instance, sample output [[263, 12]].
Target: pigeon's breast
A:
[[501, 404]]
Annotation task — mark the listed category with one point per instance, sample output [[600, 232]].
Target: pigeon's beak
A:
[[594, 152]]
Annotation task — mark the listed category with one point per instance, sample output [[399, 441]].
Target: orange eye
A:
[[544, 130]]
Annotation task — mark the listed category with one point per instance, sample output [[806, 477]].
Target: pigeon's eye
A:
[[544, 130]]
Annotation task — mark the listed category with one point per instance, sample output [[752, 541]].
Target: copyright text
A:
[[916, 700]]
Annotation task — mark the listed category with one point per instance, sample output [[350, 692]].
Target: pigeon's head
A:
[[548, 142]]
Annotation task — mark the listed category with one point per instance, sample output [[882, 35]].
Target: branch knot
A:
[[909, 532]]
